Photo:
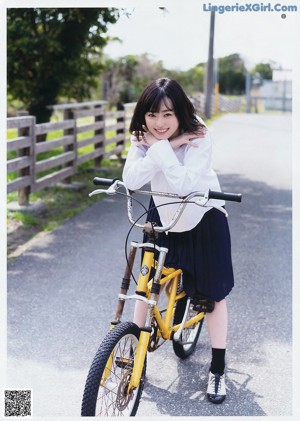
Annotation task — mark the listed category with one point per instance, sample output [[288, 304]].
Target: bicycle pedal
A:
[[202, 304]]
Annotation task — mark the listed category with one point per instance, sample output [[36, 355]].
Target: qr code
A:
[[17, 403]]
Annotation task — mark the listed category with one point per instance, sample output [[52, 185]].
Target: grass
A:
[[26, 219], [61, 204]]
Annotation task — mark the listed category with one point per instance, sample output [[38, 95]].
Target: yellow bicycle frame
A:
[[165, 330]]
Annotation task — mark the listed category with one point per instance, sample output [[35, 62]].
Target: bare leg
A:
[[140, 310], [140, 313], [217, 323]]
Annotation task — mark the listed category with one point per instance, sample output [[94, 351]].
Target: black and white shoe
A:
[[216, 388]]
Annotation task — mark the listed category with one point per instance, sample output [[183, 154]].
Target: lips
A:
[[162, 131]]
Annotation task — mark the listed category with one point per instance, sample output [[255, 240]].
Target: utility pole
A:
[[210, 67]]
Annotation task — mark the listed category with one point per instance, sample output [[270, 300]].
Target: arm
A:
[[183, 178], [139, 168], [186, 138]]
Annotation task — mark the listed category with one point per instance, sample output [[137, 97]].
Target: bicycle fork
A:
[[145, 332]]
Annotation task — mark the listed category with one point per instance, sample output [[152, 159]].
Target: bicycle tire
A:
[[111, 399], [190, 334]]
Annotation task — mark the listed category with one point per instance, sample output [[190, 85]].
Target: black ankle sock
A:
[[218, 361]]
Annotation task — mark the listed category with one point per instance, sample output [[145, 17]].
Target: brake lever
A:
[[221, 209], [98, 191], [110, 191], [203, 201]]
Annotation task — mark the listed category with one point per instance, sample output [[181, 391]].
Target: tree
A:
[[264, 70], [192, 80], [50, 53], [232, 74], [126, 77]]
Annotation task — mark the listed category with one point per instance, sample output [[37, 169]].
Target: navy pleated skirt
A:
[[204, 254]]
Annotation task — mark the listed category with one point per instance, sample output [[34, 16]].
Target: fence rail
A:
[[28, 156], [219, 103], [76, 141]]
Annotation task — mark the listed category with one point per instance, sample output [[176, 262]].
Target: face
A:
[[164, 123]]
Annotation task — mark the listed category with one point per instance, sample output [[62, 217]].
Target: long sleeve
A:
[[182, 175], [181, 171], [139, 167]]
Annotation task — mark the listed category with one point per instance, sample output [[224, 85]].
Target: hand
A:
[[186, 138], [147, 139]]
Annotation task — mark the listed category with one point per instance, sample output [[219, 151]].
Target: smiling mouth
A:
[[162, 131]]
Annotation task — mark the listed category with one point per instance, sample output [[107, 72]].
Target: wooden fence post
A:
[[101, 134], [122, 130], [69, 115], [29, 170], [24, 192]]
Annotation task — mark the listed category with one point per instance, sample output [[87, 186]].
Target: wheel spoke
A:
[[112, 368], [113, 398]]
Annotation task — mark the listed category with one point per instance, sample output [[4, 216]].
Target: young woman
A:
[[170, 148]]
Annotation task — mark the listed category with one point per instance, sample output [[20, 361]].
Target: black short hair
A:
[[152, 96]]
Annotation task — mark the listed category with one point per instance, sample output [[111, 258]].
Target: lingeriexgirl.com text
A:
[[249, 7]]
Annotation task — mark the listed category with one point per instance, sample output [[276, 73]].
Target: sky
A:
[[180, 36]]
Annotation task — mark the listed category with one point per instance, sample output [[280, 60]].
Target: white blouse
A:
[[182, 171]]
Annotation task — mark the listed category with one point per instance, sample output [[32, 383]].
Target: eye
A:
[[150, 115], [169, 114]]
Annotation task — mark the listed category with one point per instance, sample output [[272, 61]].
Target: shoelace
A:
[[216, 382]]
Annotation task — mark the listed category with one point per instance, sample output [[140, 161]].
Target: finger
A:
[[141, 143], [194, 145]]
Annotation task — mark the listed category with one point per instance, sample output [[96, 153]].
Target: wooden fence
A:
[[219, 103], [105, 134], [73, 141]]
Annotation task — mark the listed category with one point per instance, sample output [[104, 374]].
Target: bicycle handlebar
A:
[[203, 198], [98, 181], [232, 197]]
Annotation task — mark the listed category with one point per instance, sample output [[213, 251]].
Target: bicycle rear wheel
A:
[[105, 392], [190, 335]]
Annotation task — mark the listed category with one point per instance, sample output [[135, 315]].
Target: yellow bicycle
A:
[[116, 378]]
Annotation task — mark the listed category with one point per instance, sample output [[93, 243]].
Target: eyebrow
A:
[[162, 111]]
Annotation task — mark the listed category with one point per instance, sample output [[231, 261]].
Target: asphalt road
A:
[[63, 289]]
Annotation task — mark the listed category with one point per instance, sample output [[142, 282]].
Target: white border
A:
[[296, 171]]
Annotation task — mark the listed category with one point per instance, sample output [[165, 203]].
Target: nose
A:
[[160, 122]]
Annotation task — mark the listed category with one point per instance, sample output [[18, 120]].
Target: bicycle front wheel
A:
[[106, 388], [190, 335]]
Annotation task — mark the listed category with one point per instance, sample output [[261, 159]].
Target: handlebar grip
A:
[[98, 181], [232, 197]]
